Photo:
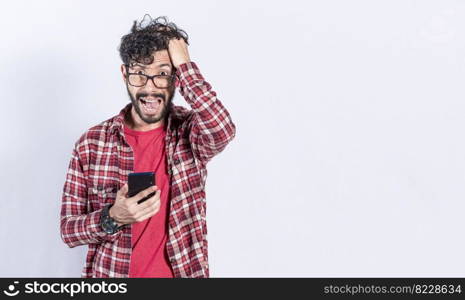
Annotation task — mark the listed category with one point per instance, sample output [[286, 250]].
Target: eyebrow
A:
[[144, 67], [164, 65]]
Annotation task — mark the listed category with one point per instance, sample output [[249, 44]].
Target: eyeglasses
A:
[[160, 81]]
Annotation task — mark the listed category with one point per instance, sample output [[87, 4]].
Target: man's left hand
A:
[[177, 49]]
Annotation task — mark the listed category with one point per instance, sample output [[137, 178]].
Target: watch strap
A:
[[107, 223]]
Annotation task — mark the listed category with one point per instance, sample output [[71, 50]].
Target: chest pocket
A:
[[100, 195]]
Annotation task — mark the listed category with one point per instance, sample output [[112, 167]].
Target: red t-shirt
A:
[[149, 257]]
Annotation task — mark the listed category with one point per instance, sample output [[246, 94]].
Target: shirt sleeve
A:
[[212, 127], [78, 226]]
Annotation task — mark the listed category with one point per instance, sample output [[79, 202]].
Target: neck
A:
[[134, 122]]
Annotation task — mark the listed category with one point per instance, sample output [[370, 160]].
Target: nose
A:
[[150, 86]]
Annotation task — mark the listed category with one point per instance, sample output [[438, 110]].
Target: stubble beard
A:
[[166, 109]]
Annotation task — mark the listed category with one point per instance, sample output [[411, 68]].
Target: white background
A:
[[349, 158]]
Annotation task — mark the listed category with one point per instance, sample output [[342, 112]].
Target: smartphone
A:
[[140, 181]]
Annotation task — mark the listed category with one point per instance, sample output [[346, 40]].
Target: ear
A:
[[123, 72], [176, 78]]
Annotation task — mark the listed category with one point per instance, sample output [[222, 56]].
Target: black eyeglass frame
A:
[[171, 77]]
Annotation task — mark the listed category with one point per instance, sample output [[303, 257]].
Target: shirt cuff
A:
[[95, 228], [188, 72]]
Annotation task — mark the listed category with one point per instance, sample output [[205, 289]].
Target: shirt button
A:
[[177, 161], [99, 188]]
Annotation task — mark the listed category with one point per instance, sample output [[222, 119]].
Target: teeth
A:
[[151, 101]]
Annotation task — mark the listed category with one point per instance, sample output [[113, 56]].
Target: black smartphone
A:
[[140, 181]]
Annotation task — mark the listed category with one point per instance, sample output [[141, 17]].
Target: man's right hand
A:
[[127, 211]]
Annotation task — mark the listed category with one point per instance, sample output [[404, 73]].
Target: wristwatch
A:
[[107, 223]]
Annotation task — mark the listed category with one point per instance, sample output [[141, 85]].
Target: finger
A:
[[148, 212], [138, 207], [148, 204], [151, 192], [150, 201], [142, 194], [152, 208], [123, 190]]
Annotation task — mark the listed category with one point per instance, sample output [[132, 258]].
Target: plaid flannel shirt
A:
[[101, 161]]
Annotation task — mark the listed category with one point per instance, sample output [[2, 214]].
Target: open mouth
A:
[[151, 105]]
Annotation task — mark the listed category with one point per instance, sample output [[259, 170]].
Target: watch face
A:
[[108, 226]]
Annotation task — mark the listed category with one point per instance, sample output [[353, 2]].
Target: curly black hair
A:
[[147, 36]]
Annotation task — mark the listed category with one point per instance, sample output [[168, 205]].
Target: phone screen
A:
[[140, 181]]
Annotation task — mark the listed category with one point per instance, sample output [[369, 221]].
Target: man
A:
[[165, 236]]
